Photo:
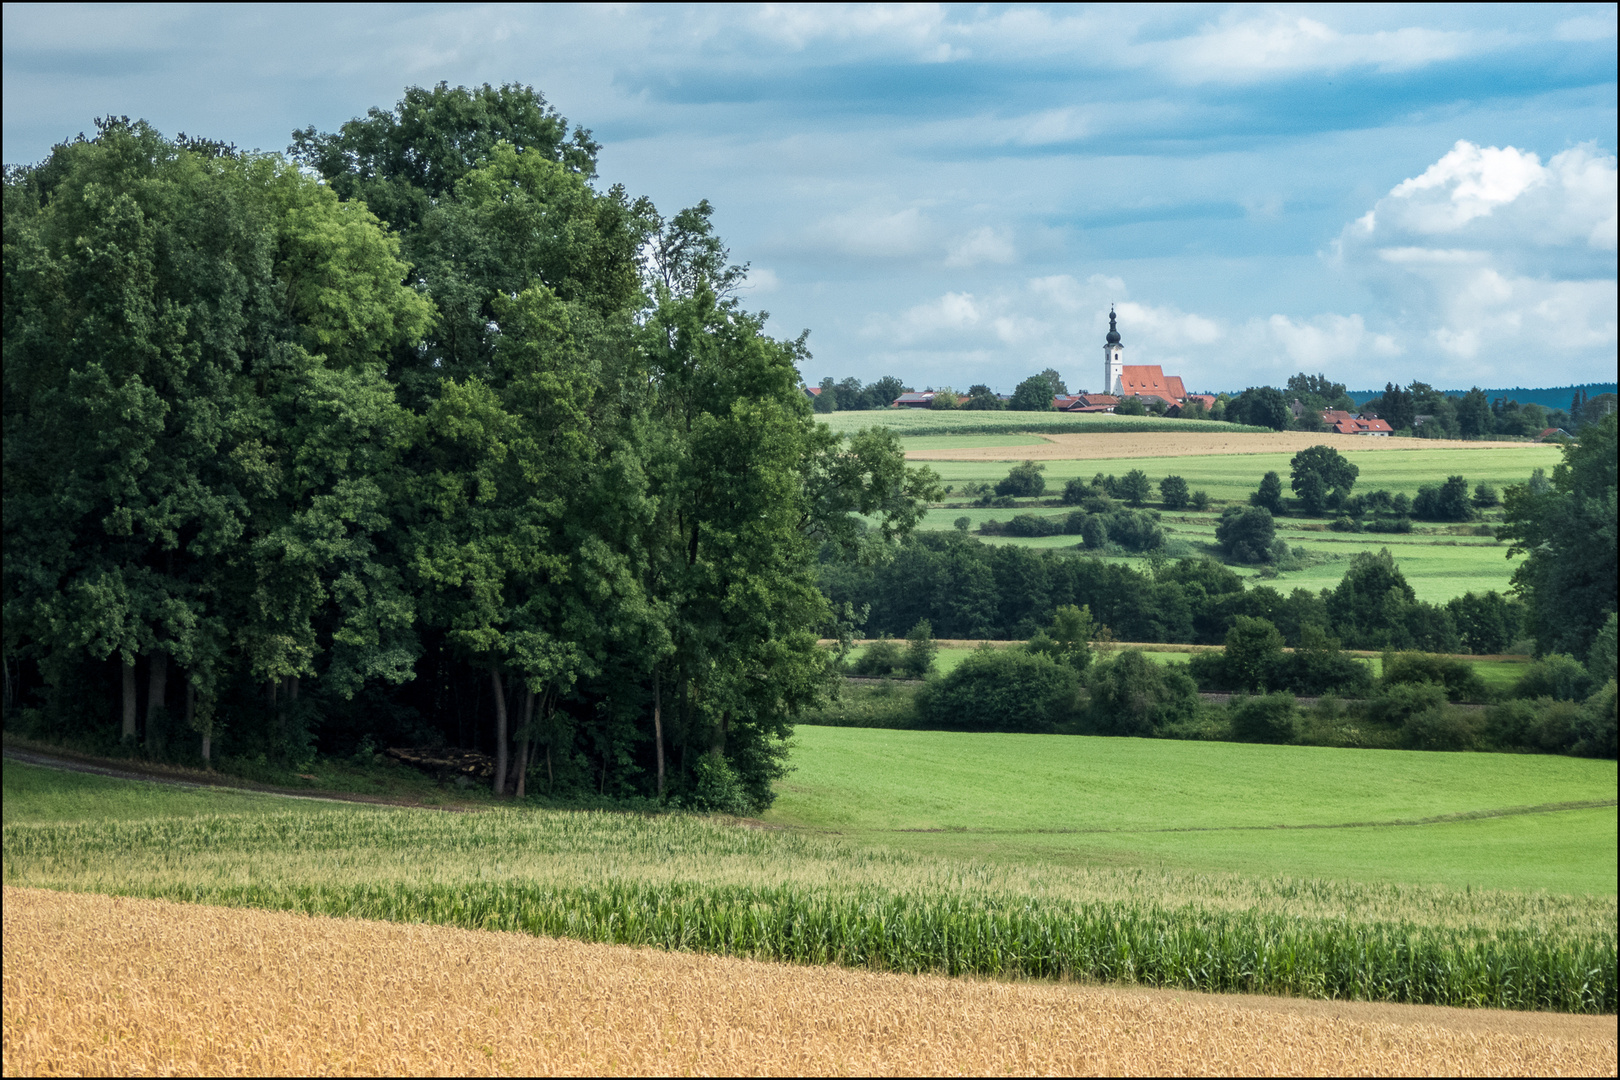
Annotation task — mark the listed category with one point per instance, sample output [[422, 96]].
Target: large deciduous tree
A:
[[1566, 532]]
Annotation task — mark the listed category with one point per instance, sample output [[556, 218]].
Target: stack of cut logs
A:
[[446, 763]]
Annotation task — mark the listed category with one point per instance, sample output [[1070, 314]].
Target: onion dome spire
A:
[[1113, 327]]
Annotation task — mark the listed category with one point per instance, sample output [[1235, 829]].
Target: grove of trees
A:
[[419, 434]]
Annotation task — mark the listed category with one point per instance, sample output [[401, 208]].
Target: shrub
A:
[[1209, 671], [1396, 703], [1135, 530], [962, 523], [1023, 481], [717, 788], [1441, 728], [1200, 500], [920, 650], [1002, 690], [1246, 534], [880, 658], [1131, 695], [1344, 524], [1485, 497], [1448, 502], [1554, 676], [1269, 496], [1596, 732], [1094, 532], [1135, 487], [1075, 523], [1457, 677], [1319, 666], [1268, 719], [1033, 525], [1253, 653], [1174, 491]]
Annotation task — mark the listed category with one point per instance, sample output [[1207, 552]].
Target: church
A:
[[1124, 380]]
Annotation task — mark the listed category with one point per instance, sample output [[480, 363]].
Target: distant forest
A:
[[1548, 397]]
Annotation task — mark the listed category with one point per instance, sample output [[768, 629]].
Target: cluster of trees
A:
[[850, 395], [1322, 480], [969, 589], [1416, 409], [1419, 409], [418, 435]]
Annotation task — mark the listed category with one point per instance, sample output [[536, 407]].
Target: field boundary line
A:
[[114, 770], [1440, 819]]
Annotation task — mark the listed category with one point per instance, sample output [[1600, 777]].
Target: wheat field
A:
[[110, 985]]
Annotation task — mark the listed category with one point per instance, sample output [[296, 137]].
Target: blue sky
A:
[[956, 194]]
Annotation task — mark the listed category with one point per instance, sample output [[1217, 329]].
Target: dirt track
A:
[[113, 985], [1071, 446]]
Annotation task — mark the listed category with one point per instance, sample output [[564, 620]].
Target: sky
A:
[[956, 195]]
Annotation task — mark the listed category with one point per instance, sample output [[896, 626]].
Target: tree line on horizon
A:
[[1417, 409]]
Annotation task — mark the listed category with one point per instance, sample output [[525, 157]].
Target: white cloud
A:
[[982, 245], [875, 234], [762, 280], [1328, 341], [1523, 281]]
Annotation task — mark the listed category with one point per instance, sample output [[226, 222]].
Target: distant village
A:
[[1311, 403]]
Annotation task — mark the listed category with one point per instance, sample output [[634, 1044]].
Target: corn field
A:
[[690, 885]]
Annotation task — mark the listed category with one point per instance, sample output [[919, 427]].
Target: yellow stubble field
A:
[[96, 984]]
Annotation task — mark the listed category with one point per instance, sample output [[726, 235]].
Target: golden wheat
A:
[[96, 984]]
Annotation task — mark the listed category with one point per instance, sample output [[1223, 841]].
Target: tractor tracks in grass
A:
[[1438, 819]]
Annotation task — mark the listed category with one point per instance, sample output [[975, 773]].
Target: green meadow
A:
[[1439, 561], [1362, 815], [1231, 477]]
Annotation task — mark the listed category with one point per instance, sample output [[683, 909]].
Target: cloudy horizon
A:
[[956, 195]]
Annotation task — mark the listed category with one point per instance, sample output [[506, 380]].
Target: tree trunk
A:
[[658, 730], [520, 763], [500, 728], [129, 702], [157, 687]]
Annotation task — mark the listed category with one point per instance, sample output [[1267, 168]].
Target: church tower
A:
[[1113, 358]]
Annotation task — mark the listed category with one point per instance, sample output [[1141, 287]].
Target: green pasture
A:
[[1212, 807], [1231, 477], [1439, 561], [913, 422]]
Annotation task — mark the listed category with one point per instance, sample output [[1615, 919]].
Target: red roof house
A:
[[1355, 425]]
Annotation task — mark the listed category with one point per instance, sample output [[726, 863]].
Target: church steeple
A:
[[1113, 357]]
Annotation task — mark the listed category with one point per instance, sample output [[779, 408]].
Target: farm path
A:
[[1073, 446], [118, 985], [175, 776]]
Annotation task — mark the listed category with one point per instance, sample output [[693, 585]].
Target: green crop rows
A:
[[690, 883]]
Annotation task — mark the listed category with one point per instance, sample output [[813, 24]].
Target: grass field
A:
[[1231, 477], [1209, 807], [210, 991], [1014, 887], [1439, 561]]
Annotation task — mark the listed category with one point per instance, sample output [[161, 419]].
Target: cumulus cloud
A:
[[1327, 341], [1500, 262], [983, 245], [876, 234]]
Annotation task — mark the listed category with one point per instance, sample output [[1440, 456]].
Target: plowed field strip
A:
[[96, 984], [1069, 446]]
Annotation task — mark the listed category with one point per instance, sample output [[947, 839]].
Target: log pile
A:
[[446, 764]]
